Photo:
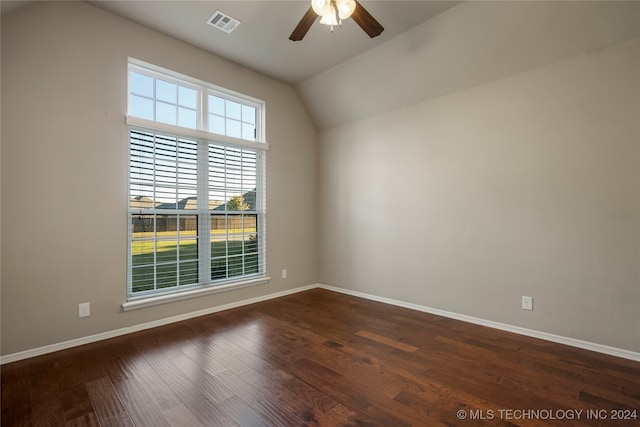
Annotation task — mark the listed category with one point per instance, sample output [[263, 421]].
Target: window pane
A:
[[166, 175], [188, 273], [166, 113], [167, 252], [251, 243], [167, 243], [140, 202], [187, 118], [142, 252], [165, 199], [216, 105], [236, 267], [218, 244], [166, 275], [141, 84], [248, 132], [142, 226], [187, 97], [141, 107], [218, 224], [250, 223], [248, 114], [219, 269], [234, 226], [216, 124], [233, 128], [218, 247], [188, 226], [251, 264], [142, 279], [233, 110], [166, 226], [187, 200], [188, 249], [166, 91]]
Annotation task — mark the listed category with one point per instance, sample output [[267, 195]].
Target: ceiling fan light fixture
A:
[[332, 12], [345, 8], [321, 7], [329, 19]]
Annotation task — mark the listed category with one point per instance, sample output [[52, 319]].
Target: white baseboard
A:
[[14, 357], [600, 348], [613, 351]]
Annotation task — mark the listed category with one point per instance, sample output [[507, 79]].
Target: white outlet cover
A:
[[84, 310], [527, 303]]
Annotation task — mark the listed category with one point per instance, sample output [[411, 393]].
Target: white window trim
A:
[[191, 293], [152, 126]]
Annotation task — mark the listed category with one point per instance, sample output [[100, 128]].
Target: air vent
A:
[[223, 22]]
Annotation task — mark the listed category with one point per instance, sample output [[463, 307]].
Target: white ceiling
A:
[[261, 42]]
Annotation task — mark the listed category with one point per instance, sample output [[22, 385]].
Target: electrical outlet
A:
[[527, 303], [284, 273], [84, 310]]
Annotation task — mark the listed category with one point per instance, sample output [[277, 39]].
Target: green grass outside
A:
[[229, 259], [174, 234]]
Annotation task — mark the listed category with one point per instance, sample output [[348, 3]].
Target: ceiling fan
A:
[[332, 13]]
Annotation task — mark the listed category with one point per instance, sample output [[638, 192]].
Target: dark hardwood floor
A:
[[321, 358]]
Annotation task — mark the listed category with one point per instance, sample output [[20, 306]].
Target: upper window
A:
[[196, 185], [165, 99], [231, 118]]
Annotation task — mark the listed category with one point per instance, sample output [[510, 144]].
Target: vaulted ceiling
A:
[[428, 48], [471, 44], [261, 41]]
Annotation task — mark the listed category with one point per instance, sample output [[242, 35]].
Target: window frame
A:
[[202, 118], [204, 140]]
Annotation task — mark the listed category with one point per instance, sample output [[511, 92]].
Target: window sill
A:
[[193, 293]]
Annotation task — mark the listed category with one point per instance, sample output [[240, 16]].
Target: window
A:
[[196, 185], [162, 100]]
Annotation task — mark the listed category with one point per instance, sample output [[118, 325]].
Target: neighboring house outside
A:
[[236, 222], [248, 198], [141, 202], [168, 222]]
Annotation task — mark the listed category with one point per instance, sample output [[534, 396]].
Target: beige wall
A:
[[64, 170], [484, 189], [529, 185]]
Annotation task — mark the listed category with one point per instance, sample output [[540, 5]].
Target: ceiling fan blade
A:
[[367, 22], [303, 26]]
